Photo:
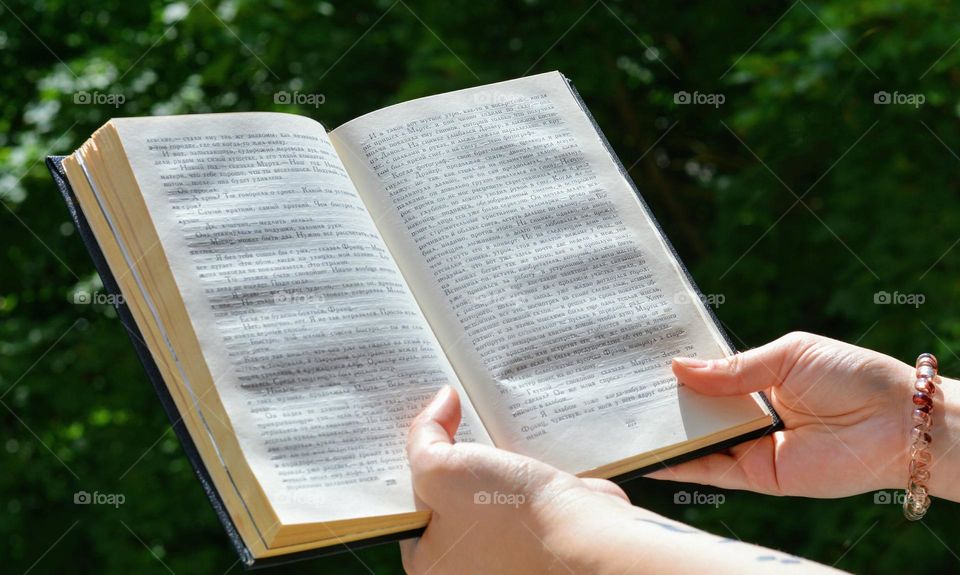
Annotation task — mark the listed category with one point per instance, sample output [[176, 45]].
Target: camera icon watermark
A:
[[97, 98], [896, 298], [889, 497], [97, 498], [697, 498], [699, 98], [496, 498], [299, 98], [898, 98]]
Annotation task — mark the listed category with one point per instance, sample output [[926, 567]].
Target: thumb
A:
[[754, 370], [435, 425]]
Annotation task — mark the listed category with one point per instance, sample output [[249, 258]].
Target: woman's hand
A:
[[847, 417], [492, 511], [498, 512]]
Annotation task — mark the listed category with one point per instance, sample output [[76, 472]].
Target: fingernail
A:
[[691, 362]]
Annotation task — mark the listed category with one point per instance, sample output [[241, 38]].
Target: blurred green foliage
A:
[[798, 199]]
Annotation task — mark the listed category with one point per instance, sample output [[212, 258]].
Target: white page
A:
[[319, 351], [546, 282]]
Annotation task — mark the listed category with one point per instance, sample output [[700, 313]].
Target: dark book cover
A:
[[153, 375]]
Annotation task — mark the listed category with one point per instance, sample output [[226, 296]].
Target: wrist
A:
[[945, 432], [579, 528]]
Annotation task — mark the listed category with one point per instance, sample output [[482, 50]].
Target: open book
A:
[[304, 293]]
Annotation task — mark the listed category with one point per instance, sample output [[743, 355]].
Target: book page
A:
[[546, 280], [317, 348]]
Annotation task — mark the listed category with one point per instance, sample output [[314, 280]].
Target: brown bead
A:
[[926, 371], [925, 385], [921, 400], [917, 467], [922, 435], [927, 358], [921, 454]]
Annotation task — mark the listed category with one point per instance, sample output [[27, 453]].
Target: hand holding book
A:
[[298, 294], [489, 496], [847, 423], [847, 430], [499, 512]]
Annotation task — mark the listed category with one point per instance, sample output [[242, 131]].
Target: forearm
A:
[[615, 540]]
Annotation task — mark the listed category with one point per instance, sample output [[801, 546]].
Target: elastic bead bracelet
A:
[[917, 499]]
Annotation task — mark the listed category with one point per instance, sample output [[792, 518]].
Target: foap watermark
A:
[[84, 297], [491, 98], [710, 299], [897, 298], [97, 98], [889, 497], [497, 498], [699, 98], [697, 498], [299, 98], [97, 498], [305, 498], [898, 98], [293, 298]]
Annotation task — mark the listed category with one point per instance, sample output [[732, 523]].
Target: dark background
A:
[[796, 201]]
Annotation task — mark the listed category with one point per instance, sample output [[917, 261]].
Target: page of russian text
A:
[[543, 276], [317, 348]]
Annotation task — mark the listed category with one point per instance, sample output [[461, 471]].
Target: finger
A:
[[408, 549], [430, 447], [742, 373], [705, 470], [436, 424], [605, 486], [444, 410], [748, 465]]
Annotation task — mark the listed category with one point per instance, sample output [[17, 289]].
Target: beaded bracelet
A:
[[917, 499]]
